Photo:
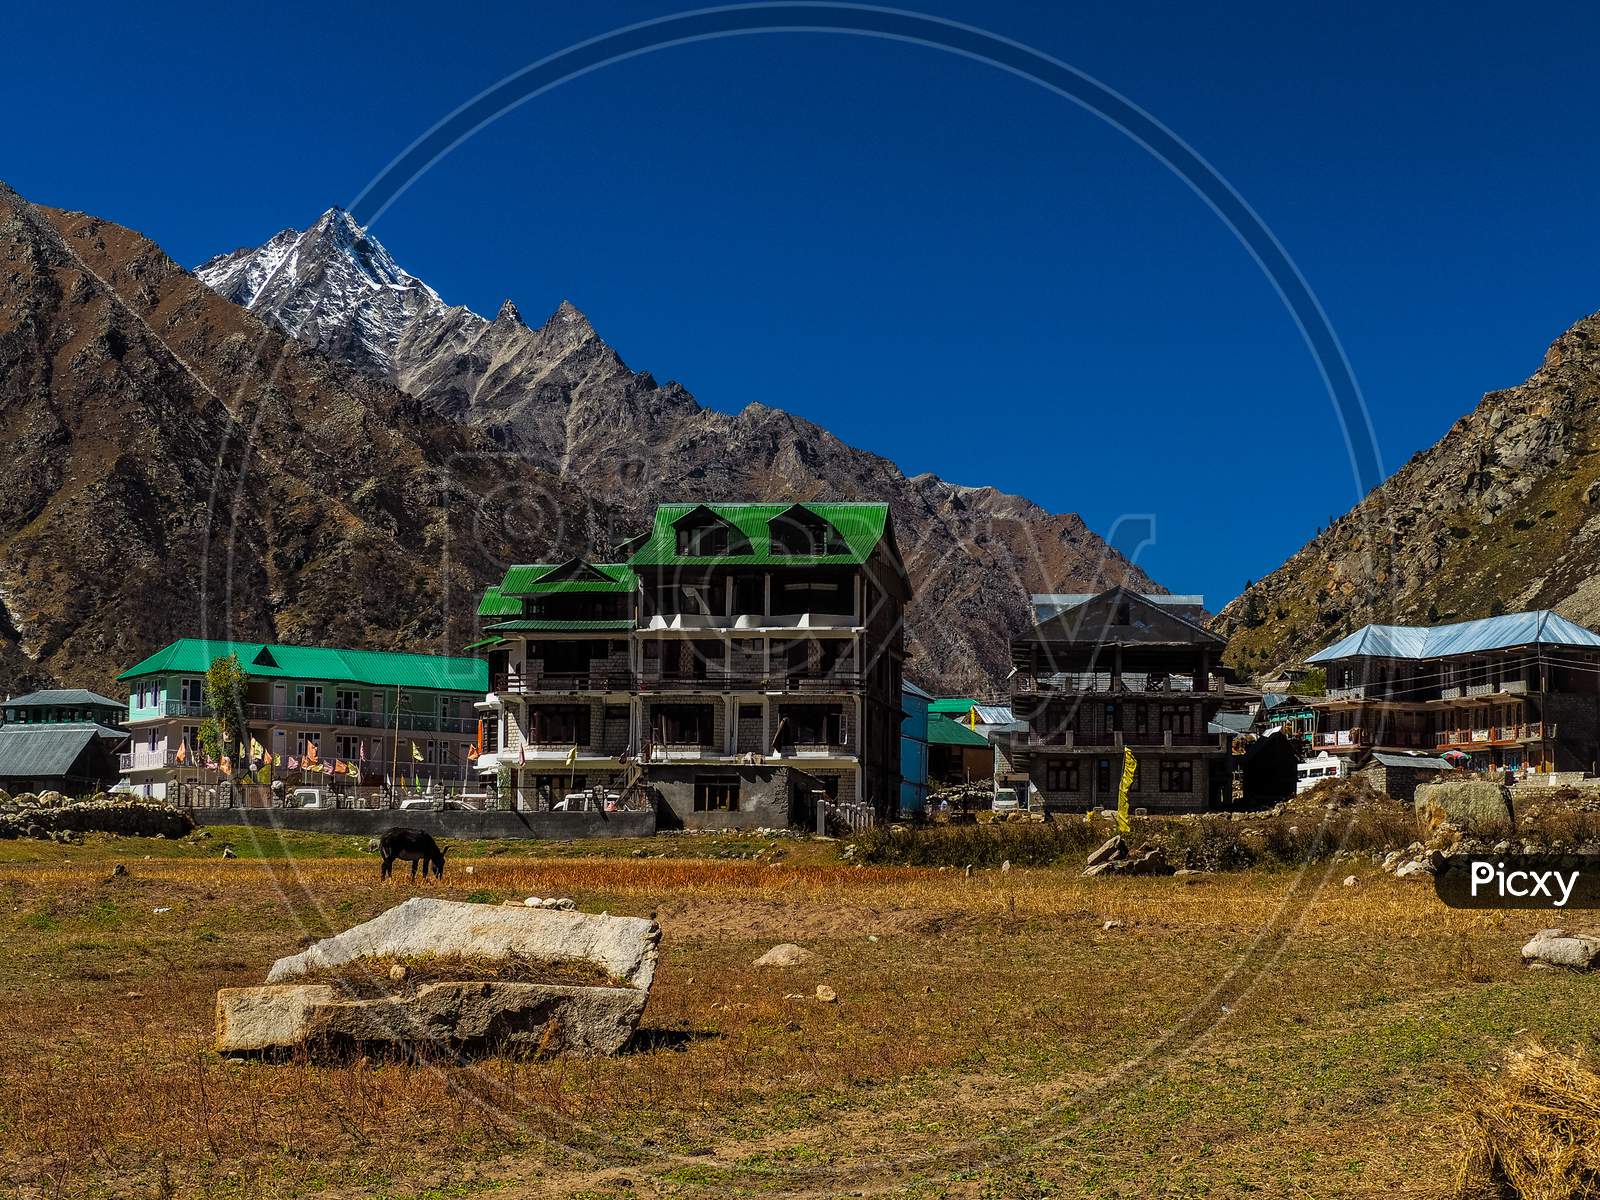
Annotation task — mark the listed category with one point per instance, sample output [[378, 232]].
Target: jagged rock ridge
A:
[[177, 467], [1502, 514]]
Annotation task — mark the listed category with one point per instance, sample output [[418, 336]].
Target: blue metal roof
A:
[[1539, 628]]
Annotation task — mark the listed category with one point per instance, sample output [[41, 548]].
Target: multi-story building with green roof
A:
[[743, 658], [366, 708]]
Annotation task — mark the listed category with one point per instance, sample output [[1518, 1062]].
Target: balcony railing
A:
[[530, 683], [752, 681], [1344, 737], [1531, 731], [1129, 682], [146, 760], [1068, 739], [360, 719]]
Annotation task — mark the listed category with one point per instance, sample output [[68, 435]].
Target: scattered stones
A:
[[1110, 850], [826, 994], [785, 954], [118, 871], [228, 852], [1558, 948], [561, 904], [1110, 925], [1350, 881]]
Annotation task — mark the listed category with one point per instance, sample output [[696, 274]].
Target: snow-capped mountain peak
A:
[[333, 285]]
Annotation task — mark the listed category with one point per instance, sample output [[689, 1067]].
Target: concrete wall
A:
[[767, 795], [365, 822]]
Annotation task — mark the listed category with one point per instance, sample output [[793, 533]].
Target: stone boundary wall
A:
[[552, 826]]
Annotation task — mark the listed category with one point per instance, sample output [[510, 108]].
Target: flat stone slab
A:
[[626, 948], [471, 1015], [480, 1016]]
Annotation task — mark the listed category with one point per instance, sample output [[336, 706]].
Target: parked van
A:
[[1314, 770], [311, 797]]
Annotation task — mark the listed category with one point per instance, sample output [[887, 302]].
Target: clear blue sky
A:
[[934, 260]]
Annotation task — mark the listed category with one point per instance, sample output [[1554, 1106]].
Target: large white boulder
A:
[[472, 1015], [624, 947]]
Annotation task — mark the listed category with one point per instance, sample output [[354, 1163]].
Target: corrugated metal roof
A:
[[36, 751], [942, 731], [64, 698], [995, 714], [269, 660], [1538, 628], [1420, 761], [907, 686], [496, 603], [953, 704], [531, 579], [861, 526], [555, 625]]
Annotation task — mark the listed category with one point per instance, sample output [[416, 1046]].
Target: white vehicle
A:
[[1314, 770], [594, 800], [413, 803], [1006, 801], [311, 797]]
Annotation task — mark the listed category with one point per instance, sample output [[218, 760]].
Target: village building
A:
[[913, 749], [958, 753], [391, 719], [1519, 692], [745, 662], [1120, 671], [63, 739]]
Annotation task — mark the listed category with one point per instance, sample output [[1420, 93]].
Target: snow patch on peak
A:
[[332, 285]]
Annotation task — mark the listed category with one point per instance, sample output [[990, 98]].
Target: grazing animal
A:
[[412, 846]]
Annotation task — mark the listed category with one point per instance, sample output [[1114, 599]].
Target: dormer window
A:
[[702, 533], [800, 531]]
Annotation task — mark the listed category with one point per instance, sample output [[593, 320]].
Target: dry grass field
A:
[[1264, 1033]]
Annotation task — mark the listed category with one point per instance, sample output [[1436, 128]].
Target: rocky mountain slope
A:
[[1502, 514], [561, 398], [175, 467]]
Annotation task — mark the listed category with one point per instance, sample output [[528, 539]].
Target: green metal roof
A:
[[39, 751], [952, 704], [860, 525], [63, 698], [484, 643], [496, 603], [556, 625], [269, 660], [532, 579], [942, 731]]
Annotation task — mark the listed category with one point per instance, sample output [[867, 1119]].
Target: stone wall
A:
[[553, 826]]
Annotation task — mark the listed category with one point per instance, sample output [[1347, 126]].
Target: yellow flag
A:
[[1129, 769], [416, 755], [572, 757]]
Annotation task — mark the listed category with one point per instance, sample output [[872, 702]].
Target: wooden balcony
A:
[[1129, 683], [602, 682], [1495, 735]]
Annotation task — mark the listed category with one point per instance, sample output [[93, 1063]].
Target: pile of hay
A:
[[1535, 1132]]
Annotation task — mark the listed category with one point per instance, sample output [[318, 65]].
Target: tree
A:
[[223, 731], [1315, 683]]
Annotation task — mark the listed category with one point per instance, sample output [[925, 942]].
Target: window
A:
[[750, 594], [559, 724], [193, 691], [716, 793], [1102, 776], [1061, 775], [834, 596], [305, 740], [1177, 775], [1113, 716], [749, 712], [308, 695], [702, 541], [348, 747], [346, 703], [191, 737], [812, 724], [1141, 719], [682, 724], [1177, 719]]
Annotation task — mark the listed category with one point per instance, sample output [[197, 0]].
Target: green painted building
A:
[[364, 708]]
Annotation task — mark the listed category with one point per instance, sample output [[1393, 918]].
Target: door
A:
[[280, 700]]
